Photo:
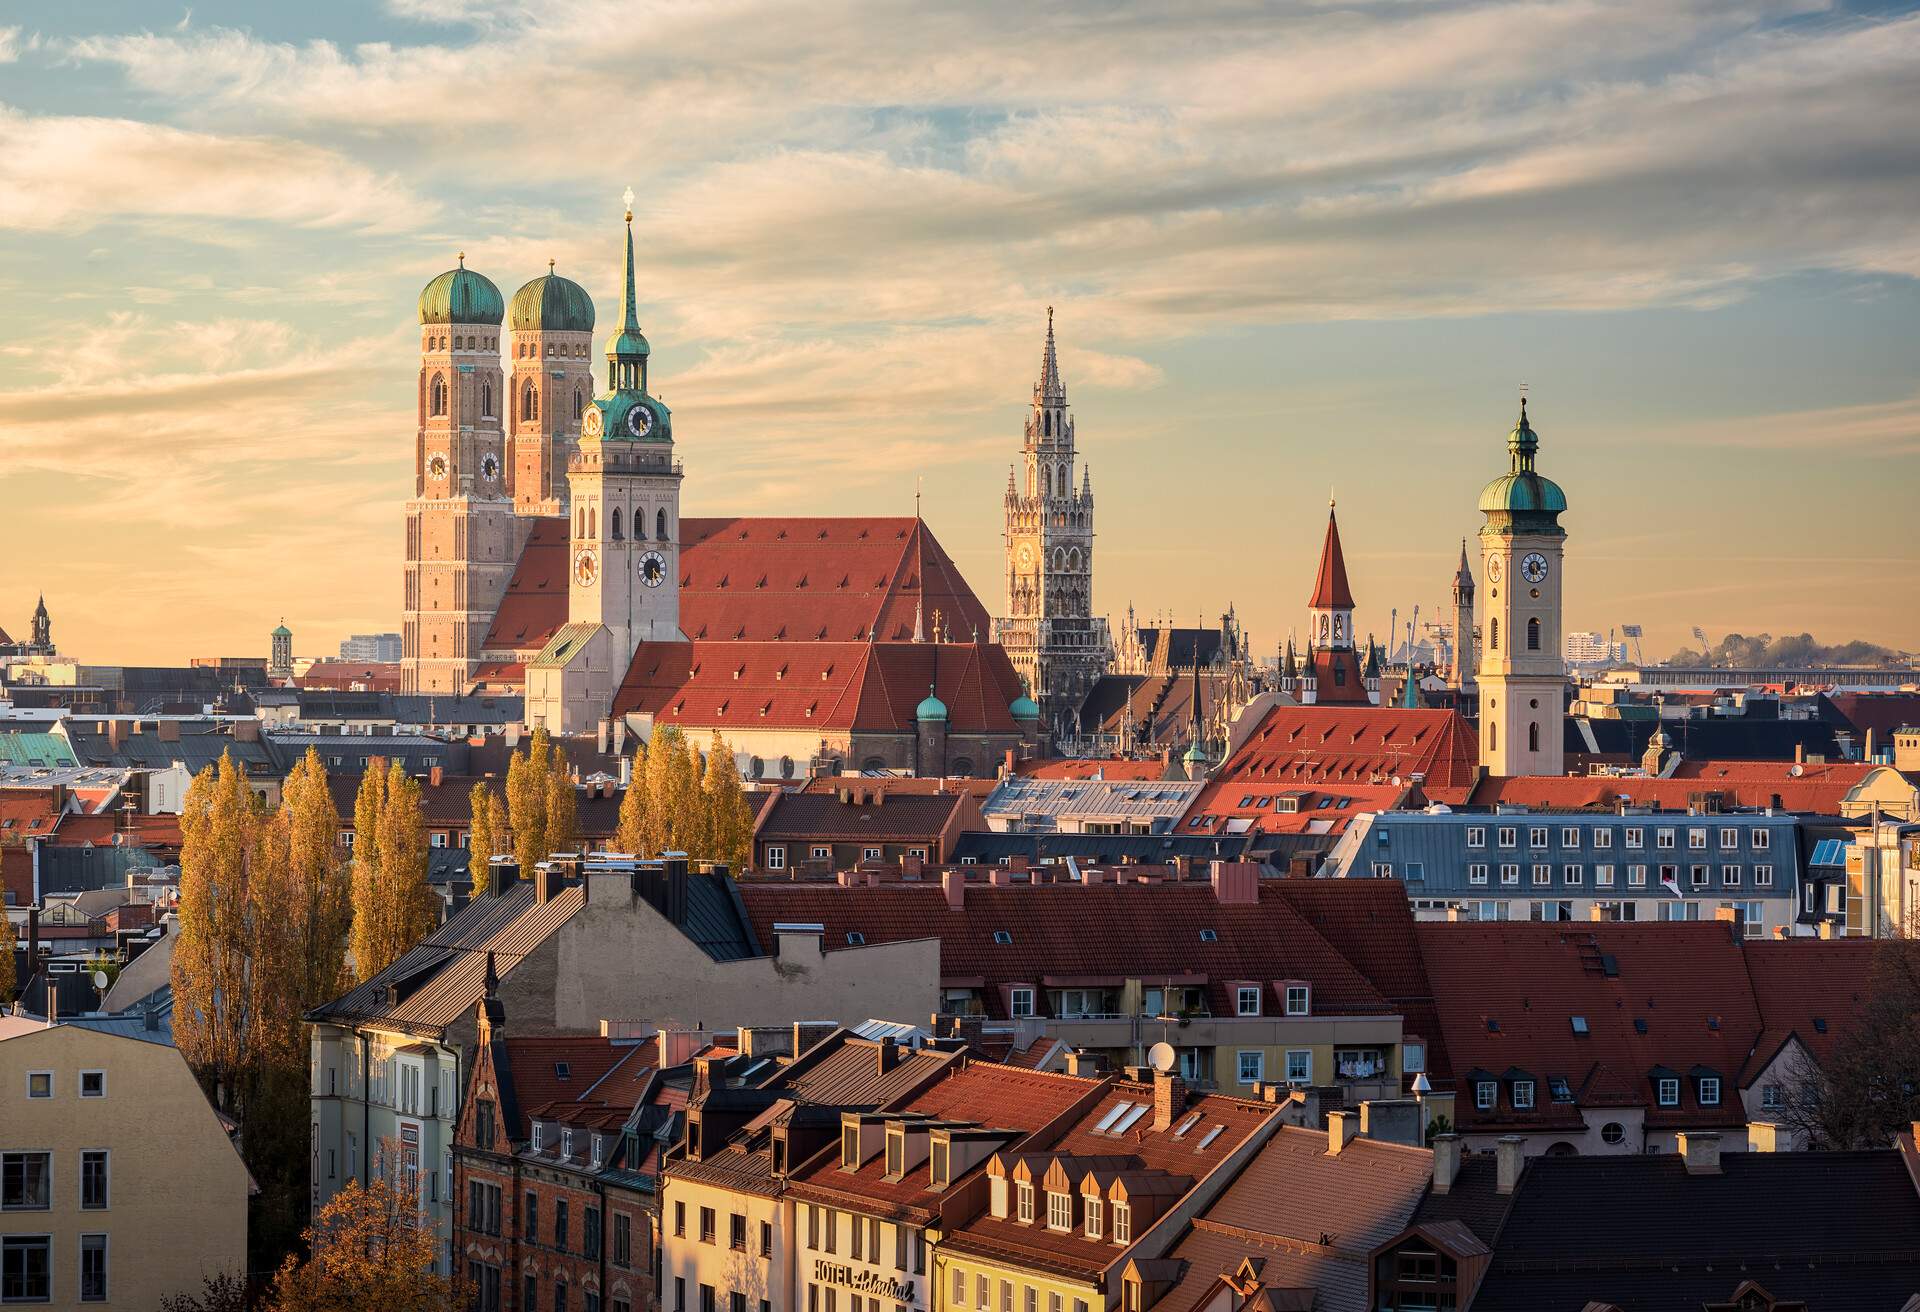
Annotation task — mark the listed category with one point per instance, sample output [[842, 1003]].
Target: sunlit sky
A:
[[1292, 248]]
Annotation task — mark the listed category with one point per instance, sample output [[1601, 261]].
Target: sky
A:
[[1294, 250]]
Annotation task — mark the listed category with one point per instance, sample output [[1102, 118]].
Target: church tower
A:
[[623, 537], [1049, 630], [463, 538], [1461, 672], [551, 334], [1333, 663], [1523, 675]]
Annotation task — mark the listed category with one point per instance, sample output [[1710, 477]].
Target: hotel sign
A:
[[888, 1288]]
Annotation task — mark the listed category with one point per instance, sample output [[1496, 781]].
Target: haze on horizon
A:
[[1292, 248]]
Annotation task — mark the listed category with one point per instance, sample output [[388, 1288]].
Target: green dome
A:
[[628, 341], [551, 304], [931, 709], [282, 631], [1196, 754], [461, 296], [1524, 493], [1025, 708], [617, 422]]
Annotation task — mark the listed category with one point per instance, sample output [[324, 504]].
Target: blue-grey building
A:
[[1521, 865]]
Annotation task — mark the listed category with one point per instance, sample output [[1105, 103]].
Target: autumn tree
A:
[[728, 817], [527, 801], [224, 1292], [392, 904], [631, 832], [369, 1247], [9, 942], [212, 1020], [1868, 1089], [487, 836], [563, 806]]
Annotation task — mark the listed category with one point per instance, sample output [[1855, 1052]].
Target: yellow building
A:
[[121, 1184]]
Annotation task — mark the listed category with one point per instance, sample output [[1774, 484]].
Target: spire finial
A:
[[1330, 501], [462, 257], [627, 197], [549, 265]]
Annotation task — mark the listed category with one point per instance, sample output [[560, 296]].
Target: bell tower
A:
[[1461, 672], [551, 323], [1333, 662], [1523, 674]]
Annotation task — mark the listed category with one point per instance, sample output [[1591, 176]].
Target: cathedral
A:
[[1050, 632], [546, 555]]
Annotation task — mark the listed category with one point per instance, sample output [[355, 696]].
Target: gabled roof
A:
[[1812, 989], [1355, 745], [907, 817], [544, 1069], [535, 604], [1816, 789]]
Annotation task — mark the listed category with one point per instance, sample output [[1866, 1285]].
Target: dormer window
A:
[[1122, 1223], [538, 1136], [1247, 1000], [1299, 999], [1059, 1211], [896, 1153], [849, 1147], [1094, 1208], [1523, 1095], [1023, 1194], [599, 1150], [997, 1196], [566, 1143], [1709, 1091], [1484, 1094], [1669, 1092]]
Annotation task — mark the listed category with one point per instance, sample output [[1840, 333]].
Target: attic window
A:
[[1114, 1114], [1188, 1124], [561, 1071], [1209, 936], [1820, 1024], [1580, 1025], [1206, 1140], [1493, 1026], [1558, 1088], [855, 939], [1002, 937], [1639, 1024]]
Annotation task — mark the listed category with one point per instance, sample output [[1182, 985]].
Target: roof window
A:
[[1113, 1114], [856, 939], [1580, 1025], [1209, 936], [1639, 1024], [1002, 937], [561, 1071]]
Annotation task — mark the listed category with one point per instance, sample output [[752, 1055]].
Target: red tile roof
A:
[[1817, 789], [28, 813], [533, 1068], [1798, 982], [1100, 931], [820, 685], [903, 818], [1337, 745], [1507, 993], [1317, 810], [343, 676], [1117, 769], [1330, 590], [899, 785], [771, 580]]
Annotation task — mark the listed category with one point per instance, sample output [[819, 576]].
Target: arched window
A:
[[579, 403], [1533, 736], [593, 521], [616, 523], [1046, 482], [580, 522], [660, 524], [437, 404], [1046, 423], [1064, 483], [1493, 634], [1493, 736], [529, 402], [1073, 558], [486, 400], [1533, 634]]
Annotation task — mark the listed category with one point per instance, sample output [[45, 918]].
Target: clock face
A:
[[590, 422], [1533, 566], [640, 421], [1493, 569], [653, 569], [586, 567], [436, 465], [489, 468]]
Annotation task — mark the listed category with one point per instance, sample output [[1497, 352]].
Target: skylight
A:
[[1002, 936], [1113, 1114], [1207, 1139], [561, 1071], [1125, 1123], [1209, 936], [1579, 1024], [1186, 1125], [1639, 1024]]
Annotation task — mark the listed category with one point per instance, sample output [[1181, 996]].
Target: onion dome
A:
[[931, 709], [551, 304], [1024, 708], [1522, 491], [282, 631], [461, 296], [1196, 754]]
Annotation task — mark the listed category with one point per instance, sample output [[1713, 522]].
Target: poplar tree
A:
[[729, 816], [563, 806], [656, 824], [368, 803], [212, 998], [8, 943], [527, 802], [407, 900], [321, 907], [487, 836], [630, 834]]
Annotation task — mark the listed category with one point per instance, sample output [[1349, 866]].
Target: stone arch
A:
[[962, 767], [660, 524], [1533, 735], [614, 523], [1533, 633]]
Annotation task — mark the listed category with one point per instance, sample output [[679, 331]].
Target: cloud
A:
[[67, 173]]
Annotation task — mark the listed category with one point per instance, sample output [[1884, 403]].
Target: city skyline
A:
[[1258, 298]]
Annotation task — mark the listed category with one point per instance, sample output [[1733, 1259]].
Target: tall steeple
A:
[[628, 349], [1461, 672], [1049, 390], [1334, 662]]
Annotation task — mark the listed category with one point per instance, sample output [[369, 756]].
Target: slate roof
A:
[[988, 848], [1155, 801], [1716, 738], [1834, 1229], [1103, 931], [902, 817], [1111, 768], [1345, 745], [1507, 993], [1159, 706], [849, 1074]]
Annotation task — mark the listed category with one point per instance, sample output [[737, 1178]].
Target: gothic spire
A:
[[1050, 390], [1330, 590]]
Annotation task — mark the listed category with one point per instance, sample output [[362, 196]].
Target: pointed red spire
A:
[[1330, 591]]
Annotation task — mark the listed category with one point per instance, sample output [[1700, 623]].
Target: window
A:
[[1709, 1091], [1772, 1097], [437, 398], [1612, 1132], [1093, 1207], [1509, 836], [1299, 999], [959, 1287], [1664, 838], [1537, 836], [1476, 836], [680, 1220], [590, 1234], [1059, 1211], [1730, 876], [1493, 632], [93, 1084], [1637, 876], [1477, 874], [982, 1293], [1523, 1095], [1252, 1067], [1700, 876], [1763, 876], [1248, 1001], [1533, 633], [1569, 837], [1020, 1002], [530, 1223], [1023, 1194], [93, 1180], [1729, 839], [776, 857], [1603, 838], [39, 1084], [737, 1233], [766, 1239], [1510, 872], [1533, 736], [1762, 839], [1573, 874], [26, 1182], [1542, 873], [1483, 1095], [1413, 1057], [560, 1225], [1636, 837], [1696, 840], [822, 854], [26, 1269], [1299, 1066], [1603, 876], [709, 1226], [870, 854], [1669, 1092], [1122, 1223]]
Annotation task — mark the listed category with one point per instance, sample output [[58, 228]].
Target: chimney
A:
[[167, 731], [1867, 754], [886, 1056], [1236, 883], [806, 1033], [1767, 1137], [1446, 1162], [626, 772], [999, 877], [1799, 753], [600, 741], [1084, 1064], [954, 884], [1169, 1099], [545, 879], [1509, 1158], [1341, 1129], [436, 776], [1700, 1151], [150, 1016]]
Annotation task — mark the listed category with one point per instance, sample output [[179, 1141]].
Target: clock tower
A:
[[623, 537], [1523, 675]]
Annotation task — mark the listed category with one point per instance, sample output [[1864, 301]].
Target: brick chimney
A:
[[1169, 1098], [1341, 1129], [436, 776], [1084, 1063], [1700, 1151], [1236, 883], [954, 884], [1509, 1158], [1446, 1162], [546, 882]]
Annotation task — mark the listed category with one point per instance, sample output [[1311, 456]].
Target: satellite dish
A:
[[1161, 1056], [100, 979]]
